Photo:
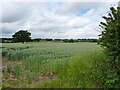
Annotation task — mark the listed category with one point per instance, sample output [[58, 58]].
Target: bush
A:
[[110, 41]]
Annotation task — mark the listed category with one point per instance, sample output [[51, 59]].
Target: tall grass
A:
[[84, 71], [38, 59]]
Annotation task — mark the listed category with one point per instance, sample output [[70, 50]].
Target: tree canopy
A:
[[110, 41], [21, 36]]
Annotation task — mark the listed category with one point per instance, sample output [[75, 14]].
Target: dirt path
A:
[[43, 79], [5, 63]]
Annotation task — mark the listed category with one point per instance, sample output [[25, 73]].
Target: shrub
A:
[[110, 41]]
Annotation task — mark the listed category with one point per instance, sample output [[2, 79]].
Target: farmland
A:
[[52, 64]]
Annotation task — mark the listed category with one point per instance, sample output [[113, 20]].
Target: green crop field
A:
[[51, 64]]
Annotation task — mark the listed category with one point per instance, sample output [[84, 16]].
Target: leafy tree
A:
[[68, 40], [110, 41], [21, 36]]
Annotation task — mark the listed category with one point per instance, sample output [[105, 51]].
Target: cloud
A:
[[13, 12], [53, 19], [73, 7]]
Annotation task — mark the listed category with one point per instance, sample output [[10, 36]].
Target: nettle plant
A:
[[110, 41]]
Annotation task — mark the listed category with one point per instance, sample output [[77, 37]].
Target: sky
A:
[[53, 19]]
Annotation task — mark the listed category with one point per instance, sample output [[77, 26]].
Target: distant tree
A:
[[58, 40], [48, 39], [71, 41], [21, 36], [36, 39], [68, 41], [6, 40]]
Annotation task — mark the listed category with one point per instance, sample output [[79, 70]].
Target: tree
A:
[[110, 41], [21, 36]]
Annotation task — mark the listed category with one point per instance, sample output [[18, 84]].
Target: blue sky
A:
[[53, 19]]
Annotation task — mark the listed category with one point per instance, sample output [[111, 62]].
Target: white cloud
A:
[[78, 22], [53, 19], [13, 12]]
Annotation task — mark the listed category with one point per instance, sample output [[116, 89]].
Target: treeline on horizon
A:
[[10, 40]]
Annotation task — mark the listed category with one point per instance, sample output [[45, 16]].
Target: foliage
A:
[[21, 36], [9, 40], [110, 40], [69, 41]]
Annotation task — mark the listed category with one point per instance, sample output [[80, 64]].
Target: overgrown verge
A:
[[85, 71]]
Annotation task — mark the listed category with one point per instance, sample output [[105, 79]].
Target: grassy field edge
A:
[[86, 70]]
